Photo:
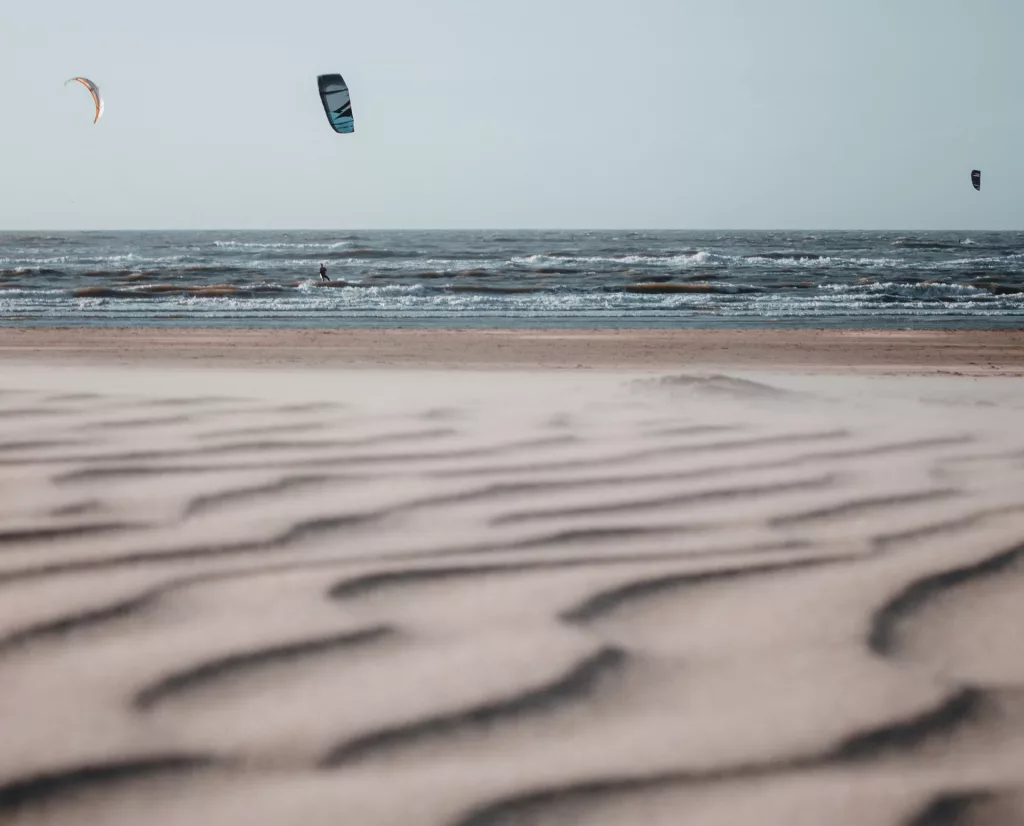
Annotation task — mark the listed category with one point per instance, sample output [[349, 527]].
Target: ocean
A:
[[513, 279]]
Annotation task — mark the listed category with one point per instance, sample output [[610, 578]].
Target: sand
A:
[[251, 578], [972, 352]]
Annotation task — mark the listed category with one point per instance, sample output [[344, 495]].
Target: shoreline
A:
[[966, 352]]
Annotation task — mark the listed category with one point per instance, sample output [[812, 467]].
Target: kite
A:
[[337, 102], [94, 90]]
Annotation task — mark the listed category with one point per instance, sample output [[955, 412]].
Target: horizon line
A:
[[508, 229]]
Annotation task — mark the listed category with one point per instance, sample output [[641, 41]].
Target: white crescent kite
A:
[[94, 90]]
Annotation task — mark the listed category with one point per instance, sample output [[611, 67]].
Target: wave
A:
[[585, 263], [655, 288], [191, 271], [914, 291], [197, 290], [214, 269], [514, 283], [362, 252], [997, 289], [638, 255], [475, 307], [1001, 260], [490, 290], [113, 292], [282, 245], [786, 256], [707, 259], [919, 244], [917, 291], [826, 262]]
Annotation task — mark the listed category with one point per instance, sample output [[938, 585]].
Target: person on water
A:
[[323, 272]]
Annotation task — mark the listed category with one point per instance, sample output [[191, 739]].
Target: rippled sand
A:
[[387, 596]]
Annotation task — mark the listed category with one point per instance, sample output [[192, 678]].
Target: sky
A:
[[689, 114]]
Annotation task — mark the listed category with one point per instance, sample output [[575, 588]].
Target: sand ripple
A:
[[636, 601]]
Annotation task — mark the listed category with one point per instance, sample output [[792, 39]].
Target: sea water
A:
[[513, 279]]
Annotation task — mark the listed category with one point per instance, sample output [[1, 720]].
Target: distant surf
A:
[[515, 279]]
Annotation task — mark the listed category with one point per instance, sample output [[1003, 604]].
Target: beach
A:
[[495, 577], [974, 352]]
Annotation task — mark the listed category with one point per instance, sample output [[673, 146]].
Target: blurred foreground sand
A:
[[710, 590]]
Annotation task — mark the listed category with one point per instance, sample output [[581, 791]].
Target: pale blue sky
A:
[[533, 113]]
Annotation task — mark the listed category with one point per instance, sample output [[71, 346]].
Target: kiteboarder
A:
[[323, 272]]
